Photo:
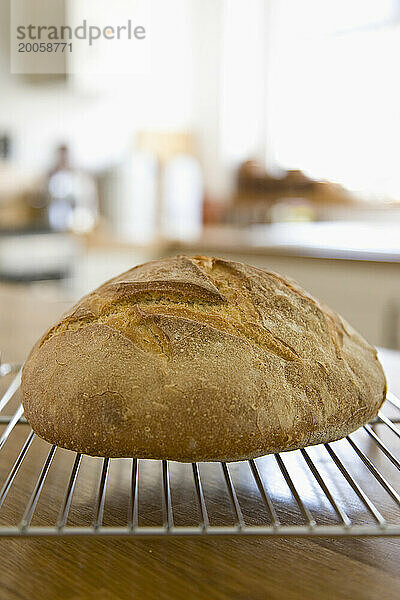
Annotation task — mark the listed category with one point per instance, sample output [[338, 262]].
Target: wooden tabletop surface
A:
[[178, 568]]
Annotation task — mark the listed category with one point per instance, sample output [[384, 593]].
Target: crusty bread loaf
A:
[[198, 359]]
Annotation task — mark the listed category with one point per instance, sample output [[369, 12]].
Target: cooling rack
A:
[[344, 488]]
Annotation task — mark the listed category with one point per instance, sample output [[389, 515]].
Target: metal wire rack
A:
[[345, 488]]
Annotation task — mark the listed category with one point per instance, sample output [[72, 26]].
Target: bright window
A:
[[333, 99]]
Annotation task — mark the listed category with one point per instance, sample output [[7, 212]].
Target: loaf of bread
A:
[[199, 359]]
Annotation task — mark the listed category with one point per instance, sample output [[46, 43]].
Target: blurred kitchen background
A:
[[266, 131]]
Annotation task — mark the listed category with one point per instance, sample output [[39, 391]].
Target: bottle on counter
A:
[[73, 202], [136, 197], [182, 198]]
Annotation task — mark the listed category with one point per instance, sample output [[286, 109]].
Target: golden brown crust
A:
[[198, 359]]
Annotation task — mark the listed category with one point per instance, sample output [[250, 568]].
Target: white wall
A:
[[207, 61], [98, 116]]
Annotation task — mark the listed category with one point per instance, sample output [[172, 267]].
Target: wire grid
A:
[[269, 523]]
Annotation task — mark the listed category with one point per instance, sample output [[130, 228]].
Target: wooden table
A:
[[178, 568]]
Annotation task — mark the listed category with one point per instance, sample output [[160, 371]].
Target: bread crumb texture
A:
[[199, 359]]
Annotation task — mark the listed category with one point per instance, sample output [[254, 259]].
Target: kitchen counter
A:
[[348, 240], [334, 240]]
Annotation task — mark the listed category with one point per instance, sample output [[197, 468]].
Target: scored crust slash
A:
[[199, 359]]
